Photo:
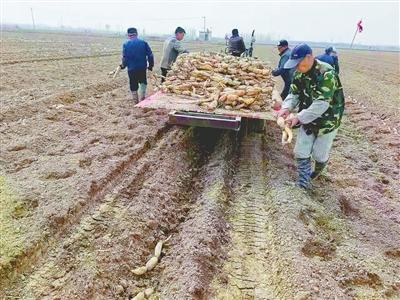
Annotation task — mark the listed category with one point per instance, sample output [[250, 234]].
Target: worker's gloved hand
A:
[[150, 68], [283, 112], [122, 66]]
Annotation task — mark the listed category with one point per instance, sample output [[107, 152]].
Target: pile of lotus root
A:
[[219, 80]]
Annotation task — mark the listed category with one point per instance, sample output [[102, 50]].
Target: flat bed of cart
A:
[[184, 110]]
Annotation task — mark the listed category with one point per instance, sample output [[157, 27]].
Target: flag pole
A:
[[354, 37]]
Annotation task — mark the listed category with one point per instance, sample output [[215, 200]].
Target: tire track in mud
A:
[[97, 193], [245, 269]]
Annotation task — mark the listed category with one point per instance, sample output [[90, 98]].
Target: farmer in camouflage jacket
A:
[[317, 93]]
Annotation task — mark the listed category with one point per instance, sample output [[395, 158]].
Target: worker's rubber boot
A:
[[135, 97], [142, 91], [319, 167], [304, 170]]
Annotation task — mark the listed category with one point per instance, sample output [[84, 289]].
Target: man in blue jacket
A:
[[138, 57], [330, 57], [286, 74]]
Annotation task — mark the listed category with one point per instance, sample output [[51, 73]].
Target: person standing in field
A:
[[335, 59], [171, 49], [317, 93], [236, 44], [330, 57], [138, 57], [286, 74]]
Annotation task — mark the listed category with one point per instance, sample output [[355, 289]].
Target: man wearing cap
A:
[[330, 57], [236, 44], [317, 93], [171, 49], [286, 74], [138, 57]]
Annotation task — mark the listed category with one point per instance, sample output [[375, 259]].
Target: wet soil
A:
[[89, 185]]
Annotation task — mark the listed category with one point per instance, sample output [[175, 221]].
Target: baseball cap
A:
[[329, 50], [132, 30], [283, 43], [297, 55]]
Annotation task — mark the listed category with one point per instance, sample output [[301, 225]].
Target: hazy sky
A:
[[327, 21]]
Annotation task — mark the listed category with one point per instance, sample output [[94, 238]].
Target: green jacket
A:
[[318, 88]]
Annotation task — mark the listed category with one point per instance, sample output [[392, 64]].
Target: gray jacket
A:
[[171, 49]]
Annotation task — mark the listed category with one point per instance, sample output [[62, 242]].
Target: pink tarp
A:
[[161, 100]]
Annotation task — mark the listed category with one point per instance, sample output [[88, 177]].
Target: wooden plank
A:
[[161, 100]]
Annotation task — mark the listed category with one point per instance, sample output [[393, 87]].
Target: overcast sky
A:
[[326, 21]]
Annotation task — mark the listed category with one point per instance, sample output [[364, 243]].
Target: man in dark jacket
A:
[[286, 74], [236, 44], [330, 57], [138, 57]]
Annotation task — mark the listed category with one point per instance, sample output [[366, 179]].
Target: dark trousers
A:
[[164, 74], [285, 91], [136, 77]]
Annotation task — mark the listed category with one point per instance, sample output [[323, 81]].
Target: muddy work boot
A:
[[135, 97], [304, 170], [319, 167], [142, 91]]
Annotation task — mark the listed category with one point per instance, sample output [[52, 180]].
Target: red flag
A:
[[359, 26]]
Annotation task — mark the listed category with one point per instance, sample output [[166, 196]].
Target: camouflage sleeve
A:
[[322, 95], [325, 89], [294, 86]]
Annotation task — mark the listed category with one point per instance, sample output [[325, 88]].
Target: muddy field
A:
[[89, 185]]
